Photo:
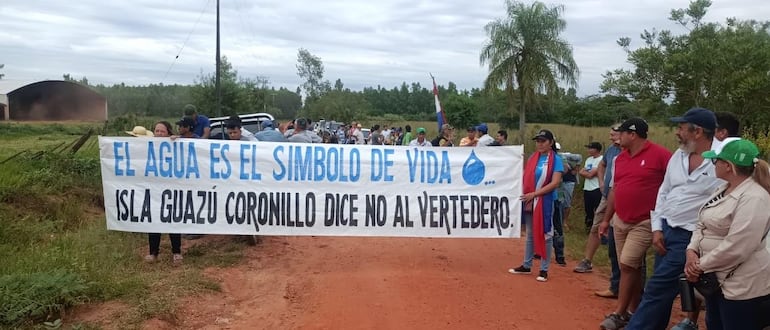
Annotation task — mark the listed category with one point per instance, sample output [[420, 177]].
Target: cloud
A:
[[362, 43]]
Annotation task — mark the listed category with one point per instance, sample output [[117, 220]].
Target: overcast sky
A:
[[364, 43]]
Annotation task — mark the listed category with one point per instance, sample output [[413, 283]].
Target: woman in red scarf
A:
[[542, 175]]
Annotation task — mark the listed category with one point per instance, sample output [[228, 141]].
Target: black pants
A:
[[176, 243], [591, 200], [558, 232]]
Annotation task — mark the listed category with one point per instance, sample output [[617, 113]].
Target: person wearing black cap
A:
[[202, 124], [591, 192], [639, 172], [542, 175], [186, 126], [689, 181]]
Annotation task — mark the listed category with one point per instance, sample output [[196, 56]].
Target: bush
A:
[[38, 295]]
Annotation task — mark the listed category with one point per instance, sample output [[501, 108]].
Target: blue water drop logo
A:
[[473, 169]]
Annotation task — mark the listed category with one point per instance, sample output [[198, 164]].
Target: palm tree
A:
[[525, 51]]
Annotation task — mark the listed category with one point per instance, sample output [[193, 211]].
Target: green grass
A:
[[575, 239], [55, 249]]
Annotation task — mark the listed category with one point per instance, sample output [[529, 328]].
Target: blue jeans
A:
[[613, 255], [654, 311], [529, 250], [726, 314]]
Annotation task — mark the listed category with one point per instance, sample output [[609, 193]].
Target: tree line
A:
[[531, 78]]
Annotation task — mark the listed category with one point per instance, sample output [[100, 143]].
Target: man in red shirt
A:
[[639, 172]]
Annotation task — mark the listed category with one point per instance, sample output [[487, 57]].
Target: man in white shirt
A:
[[728, 129], [420, 141], [687, 185], [484, 138], [592, 195], [357, 135]]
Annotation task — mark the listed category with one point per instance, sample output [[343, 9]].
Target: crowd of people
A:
[[699, 208], [193, 125]]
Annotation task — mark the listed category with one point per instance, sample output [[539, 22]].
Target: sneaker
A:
[[614, 321], [520, 270], [177, 260], [607, 294], [686, 324], [584, 266], [561, 262], [543, 276], [150, 258]]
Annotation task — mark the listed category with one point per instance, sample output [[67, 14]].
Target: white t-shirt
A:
[[485, 140], [717, 145], [590, 164], [415, 143]]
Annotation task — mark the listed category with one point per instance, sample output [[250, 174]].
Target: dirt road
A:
[[391, 283]]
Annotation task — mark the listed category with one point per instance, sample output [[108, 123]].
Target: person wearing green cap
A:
[[728, 243], [420, 141]]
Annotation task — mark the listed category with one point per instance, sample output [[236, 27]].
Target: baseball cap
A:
[[544, 134], [420, 130], [739, 152], [637, 125], [267, 124], [594, 145], [186, 122], [190, 110], [446, 127], [699, 116], [482, 128]]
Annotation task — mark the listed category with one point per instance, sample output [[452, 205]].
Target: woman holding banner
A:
[[163, 129], [542, 175]]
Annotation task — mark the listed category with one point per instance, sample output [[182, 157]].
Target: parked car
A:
[[251, 122]]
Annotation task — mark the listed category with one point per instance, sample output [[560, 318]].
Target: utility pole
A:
[[217, 87]]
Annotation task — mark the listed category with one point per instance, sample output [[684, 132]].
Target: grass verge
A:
[[56, 251]]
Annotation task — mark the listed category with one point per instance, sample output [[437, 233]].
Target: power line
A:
[[186, 40]]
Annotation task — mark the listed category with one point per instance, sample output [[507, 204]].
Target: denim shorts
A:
[[565, 194]]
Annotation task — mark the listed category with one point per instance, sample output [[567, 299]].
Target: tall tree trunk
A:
[[522, 113], [509, 93]]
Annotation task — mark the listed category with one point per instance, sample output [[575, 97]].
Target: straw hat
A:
[[139, 131]]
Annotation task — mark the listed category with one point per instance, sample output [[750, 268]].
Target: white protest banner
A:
[[263, 188]]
